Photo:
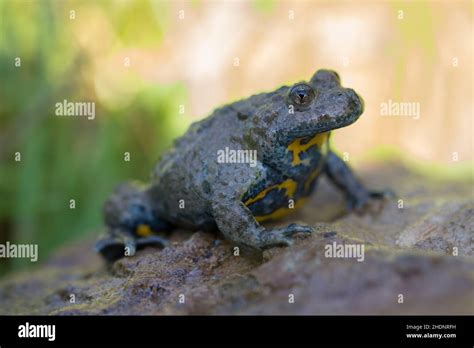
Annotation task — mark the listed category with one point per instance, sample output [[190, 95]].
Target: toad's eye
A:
[[301, 95]]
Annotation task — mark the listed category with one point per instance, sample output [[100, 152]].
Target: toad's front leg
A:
[[358, 197], [237, 224]]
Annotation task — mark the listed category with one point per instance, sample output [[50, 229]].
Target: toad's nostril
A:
[[355, 99], [325, 117]]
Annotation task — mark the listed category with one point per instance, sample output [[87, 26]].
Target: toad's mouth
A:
[[325, 123], [331, 123]]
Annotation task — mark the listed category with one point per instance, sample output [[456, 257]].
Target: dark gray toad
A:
[[248, 162]]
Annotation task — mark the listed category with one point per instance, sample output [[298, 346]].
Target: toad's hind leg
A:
[[119, 243], [132, 223]]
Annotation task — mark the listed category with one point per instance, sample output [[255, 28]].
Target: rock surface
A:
[[421, 252]]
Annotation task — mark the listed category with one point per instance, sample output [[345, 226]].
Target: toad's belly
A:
[[274, 199]]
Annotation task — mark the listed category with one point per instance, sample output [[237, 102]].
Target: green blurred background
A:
[[199, 55], [72, 158]]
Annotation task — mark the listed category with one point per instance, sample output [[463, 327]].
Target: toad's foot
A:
[[119, 244], [359, 199], [282, 236], [365, 201]]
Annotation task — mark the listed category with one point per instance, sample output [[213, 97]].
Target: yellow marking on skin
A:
[[321, 140], [296, 147], [280, 212], [289, 185], [143, 230], [315, 173], [324, 148]]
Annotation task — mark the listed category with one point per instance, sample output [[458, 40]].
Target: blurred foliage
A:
[[65, 158], [264, 6]]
